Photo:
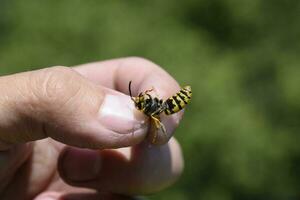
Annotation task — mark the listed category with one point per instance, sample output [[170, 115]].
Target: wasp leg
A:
[[158, 125], [160, 110], [150, 90]]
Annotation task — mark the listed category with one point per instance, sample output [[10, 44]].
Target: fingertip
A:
[[48, 196], [121, 123], [118, 113]]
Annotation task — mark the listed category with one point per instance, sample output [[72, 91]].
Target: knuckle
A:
[[56, 85]]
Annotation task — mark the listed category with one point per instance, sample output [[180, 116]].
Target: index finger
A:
[[117, 73]]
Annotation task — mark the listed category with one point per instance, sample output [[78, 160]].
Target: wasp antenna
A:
[[129, 87]]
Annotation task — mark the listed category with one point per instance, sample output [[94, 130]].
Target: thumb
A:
[[59, 103]]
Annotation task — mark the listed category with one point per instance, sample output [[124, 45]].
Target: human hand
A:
[[68, 133]]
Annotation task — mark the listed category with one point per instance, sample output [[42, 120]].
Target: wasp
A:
[[153, 106]]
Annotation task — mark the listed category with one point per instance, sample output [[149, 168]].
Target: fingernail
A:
[[81, 164], [118, 113]]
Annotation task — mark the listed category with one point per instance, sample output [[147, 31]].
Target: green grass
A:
[[240, 134]]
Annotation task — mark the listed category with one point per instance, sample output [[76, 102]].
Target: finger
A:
[[97, 197], [60, 103], [144, 75], [10, 161], [80, 196], [32, 176], [139, 170]]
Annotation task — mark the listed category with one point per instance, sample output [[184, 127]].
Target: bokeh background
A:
[[240, 135]]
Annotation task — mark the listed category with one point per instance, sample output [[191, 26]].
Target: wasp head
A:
[[139, 100]]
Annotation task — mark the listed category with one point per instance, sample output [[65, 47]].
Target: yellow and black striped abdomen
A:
[[178, 101]]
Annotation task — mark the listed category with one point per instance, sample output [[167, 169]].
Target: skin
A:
[[71, 133]]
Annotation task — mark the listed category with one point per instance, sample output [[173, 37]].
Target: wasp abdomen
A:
[[178, 101]]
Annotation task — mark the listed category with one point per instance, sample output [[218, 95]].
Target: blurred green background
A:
[[240, 135]]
